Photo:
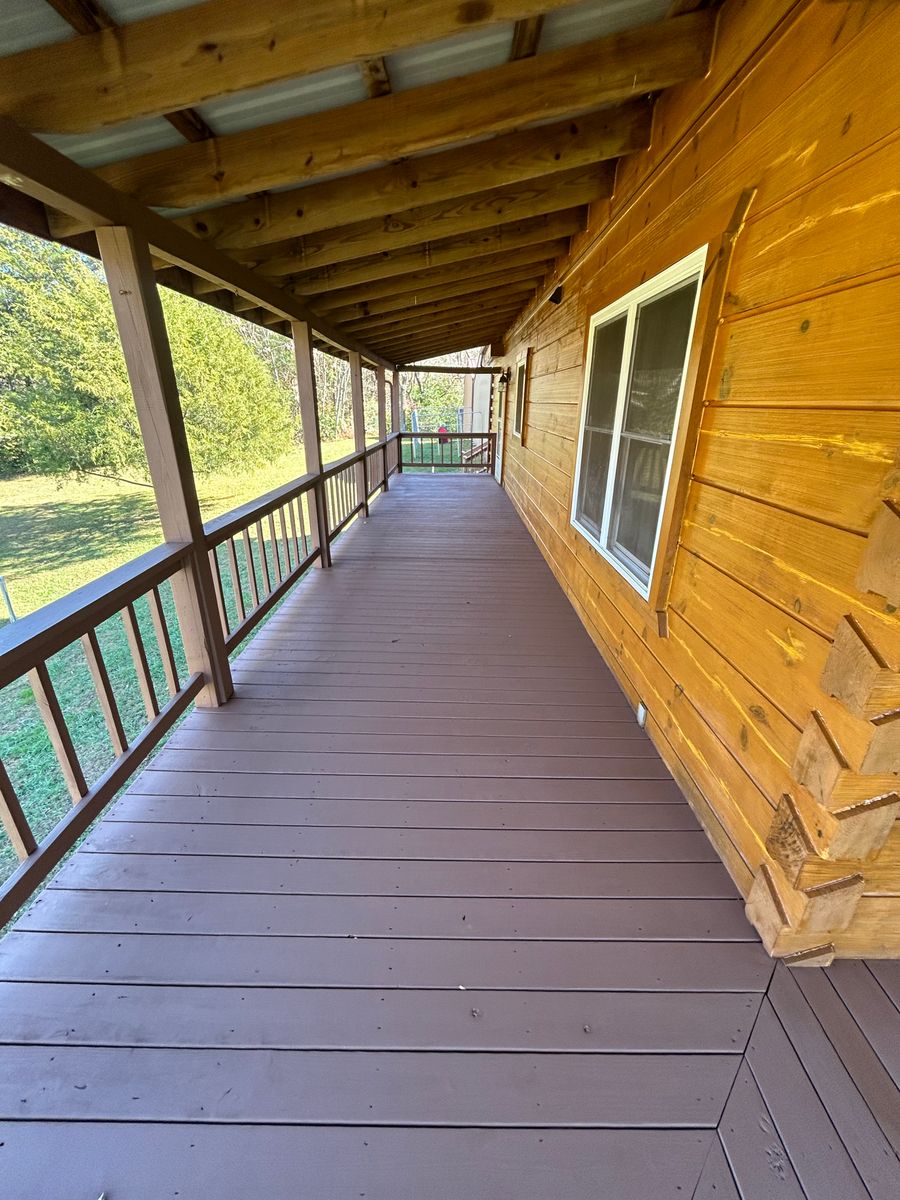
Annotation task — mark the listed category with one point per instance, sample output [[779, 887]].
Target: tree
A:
[[65, 399]]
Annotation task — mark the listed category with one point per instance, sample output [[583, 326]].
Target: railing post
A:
[[312, 438], [359, 428], [148, 359]]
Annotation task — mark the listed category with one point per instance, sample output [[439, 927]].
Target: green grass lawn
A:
[[59, 533], [56, 535]]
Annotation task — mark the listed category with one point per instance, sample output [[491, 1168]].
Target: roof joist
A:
[[531, 273], [178, 59], [426, 315], [373, 132], [451, 274], [30, 166], [499, 206], [385, 191], [466, 247]]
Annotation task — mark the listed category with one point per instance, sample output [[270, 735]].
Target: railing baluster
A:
[[251, 566], [234, 572], [139, 658], [217, 587], [300, 543], [263, 557], [292, 559], [104, 691], [14, 820], [57, 730], [161, 629], [273, 542]]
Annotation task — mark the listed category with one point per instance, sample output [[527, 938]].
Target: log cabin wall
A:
[[771, 675]]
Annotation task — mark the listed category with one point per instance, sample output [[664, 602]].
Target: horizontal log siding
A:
[[799, 434]]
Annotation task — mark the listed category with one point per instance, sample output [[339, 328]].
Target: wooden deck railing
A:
[[449, 451], [27, 645], [256, 553]]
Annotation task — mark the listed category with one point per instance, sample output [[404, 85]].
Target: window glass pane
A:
[[660, 348], [606, 367], [594, 469], [639, 488]]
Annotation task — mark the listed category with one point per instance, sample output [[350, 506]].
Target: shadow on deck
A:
[[421, 913]]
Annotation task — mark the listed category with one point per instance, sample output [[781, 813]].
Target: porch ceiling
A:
[[421, 144]]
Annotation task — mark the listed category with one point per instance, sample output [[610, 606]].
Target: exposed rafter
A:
[[374, 132], [531, 273], [386, 191], [451, 273], [88, 17], [450, 250], [178, 59], [423, 316], [36, 169], [526, 35], [484, 210]]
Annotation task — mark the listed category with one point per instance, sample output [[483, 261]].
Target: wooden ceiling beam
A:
[[477, 302], [181, 58], [373, 132], [456, 272], [462, 338], [440, 321], [433, 222], [526, 35], [89, 17], [531, 273], [451, 250], [451, 324], [375, 77], [30, 166], [385, 191]]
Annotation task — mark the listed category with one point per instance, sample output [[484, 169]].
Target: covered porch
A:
[[420, 911]]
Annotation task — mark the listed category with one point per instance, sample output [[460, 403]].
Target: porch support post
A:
[[312, 437], [359, 427], [381, 393], [395, 417], [148, 358], [382, 413], [395, 401]]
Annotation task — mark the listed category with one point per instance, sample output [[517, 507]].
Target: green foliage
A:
[[437, 399], [65, 400]]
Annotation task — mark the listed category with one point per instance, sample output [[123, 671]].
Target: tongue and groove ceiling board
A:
[[424, 146]]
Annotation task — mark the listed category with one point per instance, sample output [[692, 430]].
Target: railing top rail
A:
[[478, 433], [356, 456], [218, 529], [223, 526], [38, 636]]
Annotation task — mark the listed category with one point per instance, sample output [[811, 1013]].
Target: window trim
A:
[[691, 266], [523, 363]]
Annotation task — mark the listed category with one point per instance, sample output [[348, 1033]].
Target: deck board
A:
[[422, 913]]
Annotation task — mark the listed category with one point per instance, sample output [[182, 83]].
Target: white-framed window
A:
[[521, 378], [637, 356]]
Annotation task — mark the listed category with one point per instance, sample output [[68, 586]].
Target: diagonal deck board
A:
[[420, 913]]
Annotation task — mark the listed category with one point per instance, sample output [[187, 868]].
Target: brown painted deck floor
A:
[[421, 914]]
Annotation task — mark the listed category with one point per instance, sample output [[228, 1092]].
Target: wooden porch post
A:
[[395, 418], [395, 402], [382, 394], [359, 427], [148, 358], [312, 436]]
